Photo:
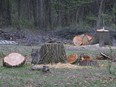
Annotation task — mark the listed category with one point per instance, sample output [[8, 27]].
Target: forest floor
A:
[[60, 75]]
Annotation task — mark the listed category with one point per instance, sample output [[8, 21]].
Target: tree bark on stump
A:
[[35, 56], [52, 53], [103, 37]]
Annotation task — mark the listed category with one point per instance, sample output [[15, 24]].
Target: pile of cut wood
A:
[[102, 36], [83, 39], [83, 60], [51, 53]]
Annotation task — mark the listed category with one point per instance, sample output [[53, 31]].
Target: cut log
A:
[[14, 60], [83, 39], [52, 53], [72, 58], [103, 37], [77, 40]]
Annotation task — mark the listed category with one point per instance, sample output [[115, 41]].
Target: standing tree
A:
[[19, 12], [100, 14], [34, 4], [8, 13]]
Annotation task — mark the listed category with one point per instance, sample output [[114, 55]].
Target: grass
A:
[[60, 75]]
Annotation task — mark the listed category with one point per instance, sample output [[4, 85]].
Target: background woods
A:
[[50, 14]]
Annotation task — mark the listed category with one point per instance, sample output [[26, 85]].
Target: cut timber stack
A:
[[52, 53], [83, 39], [14, 60]]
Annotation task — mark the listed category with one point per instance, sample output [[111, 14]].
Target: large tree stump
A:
[[52, 53], [103, 37]]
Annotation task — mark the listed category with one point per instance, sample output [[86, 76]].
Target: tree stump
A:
[[87, 60], [52, 53], [88, 63], [103, 37]]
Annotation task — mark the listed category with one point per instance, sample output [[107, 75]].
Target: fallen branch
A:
[[106, 56]]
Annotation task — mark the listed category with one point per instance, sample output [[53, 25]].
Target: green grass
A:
[[82, 77], [57, 77]]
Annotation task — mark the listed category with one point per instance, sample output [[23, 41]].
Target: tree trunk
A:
[[1, 12], [52, 53], [19, 12], [99, 14], [48, 14], [8, 11], [34, 4]]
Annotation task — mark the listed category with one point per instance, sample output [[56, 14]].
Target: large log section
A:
[[14, 60]]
